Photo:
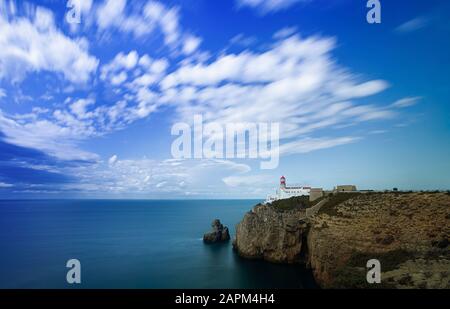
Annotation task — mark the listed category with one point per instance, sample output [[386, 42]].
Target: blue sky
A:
[[86, 110]]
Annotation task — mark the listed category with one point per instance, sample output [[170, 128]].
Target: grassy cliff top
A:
[[336, 199], [408, 233], [296, 202]]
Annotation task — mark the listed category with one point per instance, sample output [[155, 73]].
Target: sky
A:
[[87, 109]]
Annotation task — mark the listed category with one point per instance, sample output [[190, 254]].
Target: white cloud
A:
[[84, 5], [145, 72], [190, 44], [119, 78], [406, 102], [295, 82], [34, 44], [412, 25], [152, 18], [161, 184], [150, 177], [60, 132], [291, 58], [79, 107], [167, 19], [312, 144], [5, 185], [285, 32], [266, 6], [110, 13], [2, 93], [56, 139], [113, 14], [112, 160], [345, 91], [242, 40], [246, 180], [120, 62]]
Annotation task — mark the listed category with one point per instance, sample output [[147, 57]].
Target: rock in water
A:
[[219, 233]]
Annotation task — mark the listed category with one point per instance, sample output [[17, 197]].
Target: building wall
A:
[[287, 193], [345, 188], [315, 193]]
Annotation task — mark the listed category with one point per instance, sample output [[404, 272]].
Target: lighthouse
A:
[[286, 191], [283, 182]]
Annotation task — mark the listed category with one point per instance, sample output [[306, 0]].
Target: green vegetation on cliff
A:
[[334, 199], [408, 232], [296, 202], [352, 275]]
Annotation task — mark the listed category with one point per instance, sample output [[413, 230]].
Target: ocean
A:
[[130, 244]]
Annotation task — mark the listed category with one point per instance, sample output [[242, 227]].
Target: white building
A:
[[285, 192]]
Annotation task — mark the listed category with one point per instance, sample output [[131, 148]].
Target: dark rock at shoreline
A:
[[219, 233]]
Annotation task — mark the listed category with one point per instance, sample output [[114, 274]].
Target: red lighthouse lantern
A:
[[283, 182]]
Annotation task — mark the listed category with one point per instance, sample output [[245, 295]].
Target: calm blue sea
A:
[[130, 244]]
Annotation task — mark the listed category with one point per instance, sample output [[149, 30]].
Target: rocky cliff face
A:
[[407, 232], [275, 236]]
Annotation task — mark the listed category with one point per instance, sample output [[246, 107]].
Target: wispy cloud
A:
[[313, 144], [412, 25], [267, 6], [112, 160], [285, 32], [295, 82], [247, 181], [33, 43], [291, 79], [406, 102], [376, 132], [243, 40], [153, 18], [5, 185], [48, 136], [147, 176]]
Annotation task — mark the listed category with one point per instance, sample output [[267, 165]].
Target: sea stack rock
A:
[[219, 233]]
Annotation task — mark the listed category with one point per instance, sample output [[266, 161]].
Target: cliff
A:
[[275, 235], [407, 232]]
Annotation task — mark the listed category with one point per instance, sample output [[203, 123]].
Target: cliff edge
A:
[[273, 234], [407, 232]]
